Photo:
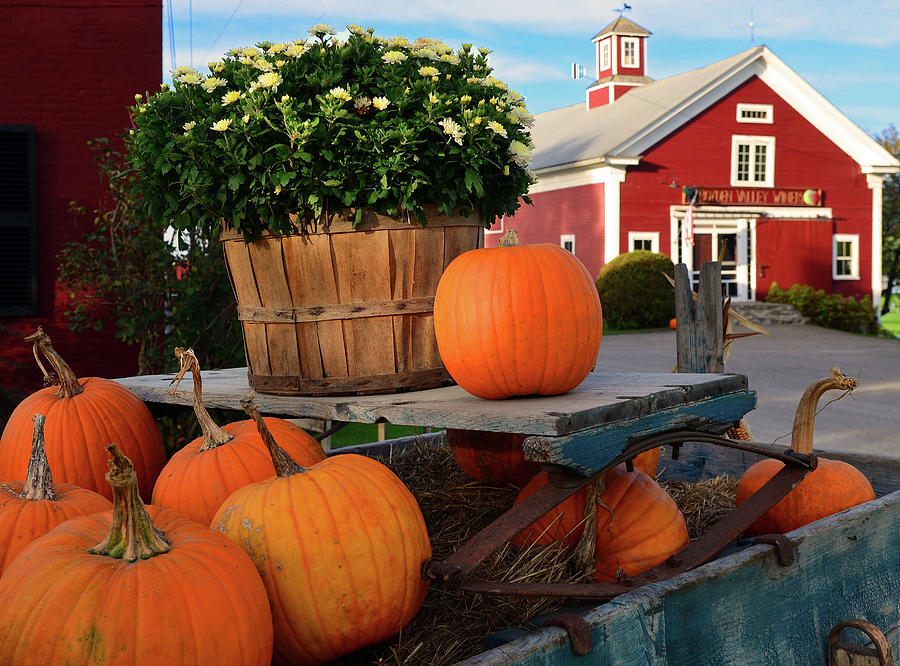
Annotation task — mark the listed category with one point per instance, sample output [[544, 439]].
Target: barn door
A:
[[727, 242]]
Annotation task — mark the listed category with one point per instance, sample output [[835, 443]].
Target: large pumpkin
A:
[[340, 547], [638, 525], [200, 476], [83, 416], [832, 487], [492, 457], [31, 508], [129, 587], [517, 320]]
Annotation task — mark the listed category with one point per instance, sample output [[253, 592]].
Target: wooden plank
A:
[[745, 608], [602, 398], [340, 311], [698, 337], [310, 279], [426, 275], [402, 250], [589, 451]]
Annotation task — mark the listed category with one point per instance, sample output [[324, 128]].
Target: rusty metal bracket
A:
[[578, 630], [455, 571], [784, 549]]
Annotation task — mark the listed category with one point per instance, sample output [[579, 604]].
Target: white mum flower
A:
[[320, 29], [428, 71], [188, 126], [392, 57], [191, 78], [340, 93], [452, 129], [356, 30], [497, 128], [521, 154], [221, 125], [269, 80]]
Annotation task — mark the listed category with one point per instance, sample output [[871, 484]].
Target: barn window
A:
[[754, 113], [604, 55], [567, 242], [845, 257], [18, 222], [753, 161], [643, 240], [630, 57]]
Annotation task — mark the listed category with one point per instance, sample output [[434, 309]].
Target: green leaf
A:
[[236, 181]]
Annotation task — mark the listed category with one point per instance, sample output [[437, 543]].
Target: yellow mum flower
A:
[[212, 83], [340, 93], [381, 103], [230, 97], [269, 80], [221, 125], [191, 78], [428, 71], [393, 57]]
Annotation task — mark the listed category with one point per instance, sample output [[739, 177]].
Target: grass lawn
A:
[[891, 321], [363, 433]]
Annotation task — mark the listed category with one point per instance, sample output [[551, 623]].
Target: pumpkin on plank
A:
[[31, 508], [83, 416], [624, 523], [201, 475], [832, 487], [492, 457], [133, 586], [340, 547], [517, 320]]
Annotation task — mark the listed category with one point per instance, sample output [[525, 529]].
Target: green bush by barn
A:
[[634, 293], [843, 313]]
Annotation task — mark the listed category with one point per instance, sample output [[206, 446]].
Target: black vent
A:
[[18, 222]]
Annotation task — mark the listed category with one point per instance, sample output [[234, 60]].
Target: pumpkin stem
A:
[[132, 535], [68, 382], [38, 480], [285, 466], [584, 552], [804, 419], [509, 239], [213, 435]]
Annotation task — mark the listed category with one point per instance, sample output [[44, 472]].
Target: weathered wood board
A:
[[603, 398]]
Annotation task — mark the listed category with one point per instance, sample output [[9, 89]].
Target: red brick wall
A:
[[577, 210], [72, 69]]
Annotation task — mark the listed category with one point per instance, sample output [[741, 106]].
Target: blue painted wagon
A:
[[744, 606]]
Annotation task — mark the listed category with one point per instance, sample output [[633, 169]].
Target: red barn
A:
[[72, 69], [741, 161]]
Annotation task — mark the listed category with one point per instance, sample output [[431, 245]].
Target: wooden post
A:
[[698, 335]]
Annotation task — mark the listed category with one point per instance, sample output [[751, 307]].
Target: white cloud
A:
[[515, 69]]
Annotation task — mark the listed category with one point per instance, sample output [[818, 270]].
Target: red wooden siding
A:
[[699, 154], [576, 210], [598, 97], [77, 68]]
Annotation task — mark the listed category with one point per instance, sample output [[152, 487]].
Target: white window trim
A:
[[567, 238], [605, 52], [853, 239], [652, 236], [769, 142], [637, 51], [767, 120]]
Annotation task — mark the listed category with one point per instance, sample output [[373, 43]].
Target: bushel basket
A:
[[345, 311]]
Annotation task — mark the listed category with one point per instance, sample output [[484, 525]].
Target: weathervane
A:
[[625, 8]]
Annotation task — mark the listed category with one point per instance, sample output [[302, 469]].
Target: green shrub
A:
[[843, 313], [634, 293]]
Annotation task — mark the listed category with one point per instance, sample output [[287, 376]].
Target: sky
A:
[[848, 51]]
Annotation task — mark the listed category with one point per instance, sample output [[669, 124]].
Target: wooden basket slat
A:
[[243, 280], [402, 248], [274, 292], [302, 264], [429, 253]]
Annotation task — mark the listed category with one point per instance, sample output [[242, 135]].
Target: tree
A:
[[160, 293], [890, 217]]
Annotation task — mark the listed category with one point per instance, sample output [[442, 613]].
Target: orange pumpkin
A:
[[832, 487], [200, 476], [158, 589], [83, 416], [517, 320], [32, 508], [492, 457], [648, 462], [340, 547], [638, 525]]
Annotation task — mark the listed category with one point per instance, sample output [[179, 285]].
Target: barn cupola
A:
[[621, 62]]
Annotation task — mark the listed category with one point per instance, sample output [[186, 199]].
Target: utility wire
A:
[[222, 31]]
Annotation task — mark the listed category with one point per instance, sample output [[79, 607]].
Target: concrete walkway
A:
[[780, 368]]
